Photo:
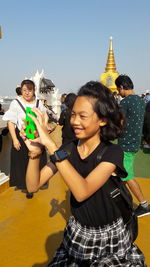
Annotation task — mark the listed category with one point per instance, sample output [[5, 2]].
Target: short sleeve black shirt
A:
[[97, 210]]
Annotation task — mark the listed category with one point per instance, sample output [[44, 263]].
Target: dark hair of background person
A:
[[30, 84], [63, 96], [18, 91], [106, 107], [125, 81], [64, 120], [1, 110], [69, 100]]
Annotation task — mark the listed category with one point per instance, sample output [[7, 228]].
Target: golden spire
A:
[[110, 65], [0, 33], [110, 75]]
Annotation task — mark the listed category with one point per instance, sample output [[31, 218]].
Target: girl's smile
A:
[[77, 130]]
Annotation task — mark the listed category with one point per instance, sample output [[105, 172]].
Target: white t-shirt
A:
[[15, 113]]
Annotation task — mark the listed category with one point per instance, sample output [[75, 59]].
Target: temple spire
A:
[[109, 76], [110, 65]]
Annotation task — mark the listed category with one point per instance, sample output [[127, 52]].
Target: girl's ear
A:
[[102, 122]]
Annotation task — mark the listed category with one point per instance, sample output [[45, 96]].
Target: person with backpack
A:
[[96, 234]]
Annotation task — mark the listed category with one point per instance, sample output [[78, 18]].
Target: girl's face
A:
[[84, 120], [27, 92]]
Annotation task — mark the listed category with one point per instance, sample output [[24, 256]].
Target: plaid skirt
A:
[[102, 247]]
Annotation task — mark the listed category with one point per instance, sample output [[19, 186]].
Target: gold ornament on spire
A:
[[110, 65], [109, 76]]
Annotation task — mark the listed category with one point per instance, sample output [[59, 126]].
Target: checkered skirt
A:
[[102, 247]]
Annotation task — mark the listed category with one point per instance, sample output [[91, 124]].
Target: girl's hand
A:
[[16, 144], [34, 147], [41, 122]]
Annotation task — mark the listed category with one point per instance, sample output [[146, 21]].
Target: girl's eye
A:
[[72, 115], [83, 117]]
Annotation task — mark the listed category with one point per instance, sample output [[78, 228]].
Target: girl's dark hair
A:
[[106, 107], [30, 84]]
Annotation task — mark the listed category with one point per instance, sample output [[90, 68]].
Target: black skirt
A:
[[19, 162], [107, 246]]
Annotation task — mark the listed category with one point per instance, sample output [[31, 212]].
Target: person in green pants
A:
[[133, 107]]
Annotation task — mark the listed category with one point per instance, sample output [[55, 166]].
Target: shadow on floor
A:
[[54, 240], [52, 243], [63, 207]]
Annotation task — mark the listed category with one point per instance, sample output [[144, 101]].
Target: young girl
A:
[[95, 234]]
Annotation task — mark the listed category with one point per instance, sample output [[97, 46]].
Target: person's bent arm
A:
[[36, 178], [82, 188]]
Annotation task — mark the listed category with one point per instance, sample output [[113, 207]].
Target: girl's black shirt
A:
[[97, 210]]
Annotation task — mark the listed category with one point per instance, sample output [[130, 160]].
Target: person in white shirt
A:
[[19, 152]]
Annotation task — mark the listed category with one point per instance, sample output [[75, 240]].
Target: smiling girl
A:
[[95, 234]]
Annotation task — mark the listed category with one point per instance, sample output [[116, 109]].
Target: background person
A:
[[1, 110], [147, 97], [146, 126], [64, 120], [1, 138], [3, 132], [18, 91], [51, 114], [62, 99], [19, 152], [134, 108]]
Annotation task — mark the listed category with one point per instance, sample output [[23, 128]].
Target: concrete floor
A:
[[31, 229]]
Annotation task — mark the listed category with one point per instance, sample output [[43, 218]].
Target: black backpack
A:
[[119, 194]]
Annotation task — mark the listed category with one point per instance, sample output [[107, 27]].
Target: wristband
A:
[[58, 156]]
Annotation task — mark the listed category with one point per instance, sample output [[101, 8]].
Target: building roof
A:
[[48, 82]]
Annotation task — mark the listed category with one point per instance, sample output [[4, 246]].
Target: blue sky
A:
[[70, 41]]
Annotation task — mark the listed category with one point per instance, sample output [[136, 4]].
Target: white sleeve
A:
[[11, 113], [42, 107]]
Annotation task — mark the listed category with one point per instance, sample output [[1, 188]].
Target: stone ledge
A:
[[4, 182]]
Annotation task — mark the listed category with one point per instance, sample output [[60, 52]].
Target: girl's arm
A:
[[11, 127], [36, 178], [82, 188]]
